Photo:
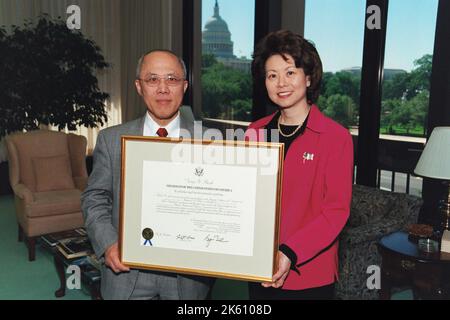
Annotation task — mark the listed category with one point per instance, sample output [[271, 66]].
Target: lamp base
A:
[[445, 242], [444, 209]]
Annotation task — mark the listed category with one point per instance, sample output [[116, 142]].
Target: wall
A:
[[124, 29], [145, 25]]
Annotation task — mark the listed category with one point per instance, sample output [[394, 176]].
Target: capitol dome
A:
[[216, 38], [216, 24]]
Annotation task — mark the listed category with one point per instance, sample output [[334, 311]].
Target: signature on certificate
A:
[[215, 237], [184, 237]]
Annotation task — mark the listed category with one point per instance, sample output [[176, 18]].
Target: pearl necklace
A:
[[291, 134]]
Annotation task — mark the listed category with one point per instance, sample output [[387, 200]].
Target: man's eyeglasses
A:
[[154, 80]]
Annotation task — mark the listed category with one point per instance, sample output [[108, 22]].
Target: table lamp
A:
[[435, 163]]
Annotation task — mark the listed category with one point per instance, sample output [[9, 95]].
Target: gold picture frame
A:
[[209, 208]]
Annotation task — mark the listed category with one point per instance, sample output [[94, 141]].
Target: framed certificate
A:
[[209, 208]]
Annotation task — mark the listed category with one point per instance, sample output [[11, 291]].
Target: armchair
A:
[[47, 172], [373, 214]]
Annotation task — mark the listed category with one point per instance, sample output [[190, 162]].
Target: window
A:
[[405, 91], [337, 30], [227, 46], [408, 60]]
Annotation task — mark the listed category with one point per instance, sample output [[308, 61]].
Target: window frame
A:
[[273, 14]]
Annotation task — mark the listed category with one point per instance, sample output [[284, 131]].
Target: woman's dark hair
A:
[[303, 52]]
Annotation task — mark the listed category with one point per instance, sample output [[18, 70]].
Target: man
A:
[[160, 81]]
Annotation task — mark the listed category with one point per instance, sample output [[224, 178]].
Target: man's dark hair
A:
[[304, 53]]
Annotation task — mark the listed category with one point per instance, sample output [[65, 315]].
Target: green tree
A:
[[405, 97], [224, 89], [242, 109], [397, 87], [49, 77], [419, 109], [343, 83], [387, 108], [340, 108], [408, 85], [325, 80], [322, 103], [208, 60], [421, 74], [402, 116]]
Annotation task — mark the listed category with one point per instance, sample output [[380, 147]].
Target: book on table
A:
[[93, 260], [87, 268], [52, 239], [90, 271], [76, 247]]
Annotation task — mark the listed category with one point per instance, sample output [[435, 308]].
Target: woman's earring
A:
[[308, 84]]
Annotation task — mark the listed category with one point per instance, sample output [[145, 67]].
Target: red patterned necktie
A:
[[162, 132]]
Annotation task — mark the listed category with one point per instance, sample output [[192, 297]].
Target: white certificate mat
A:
[[209, 208], [213, 213]]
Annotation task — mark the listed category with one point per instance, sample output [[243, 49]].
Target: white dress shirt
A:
[[151, 126]]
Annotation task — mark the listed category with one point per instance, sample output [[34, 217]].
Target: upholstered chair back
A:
[[46, 160]]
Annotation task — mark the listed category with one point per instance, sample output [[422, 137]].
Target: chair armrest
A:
[[80, 182], [370, 232], [23, 192], [414, 206]]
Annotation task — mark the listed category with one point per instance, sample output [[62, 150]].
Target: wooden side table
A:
[[89, 275], [92, 281], [404, 264]]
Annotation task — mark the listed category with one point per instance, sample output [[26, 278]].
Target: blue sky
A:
[[337, 29]]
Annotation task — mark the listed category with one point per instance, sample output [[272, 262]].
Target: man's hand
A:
[[284, 266], [112, 259]]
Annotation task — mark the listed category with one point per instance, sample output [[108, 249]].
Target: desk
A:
[[404, 264]]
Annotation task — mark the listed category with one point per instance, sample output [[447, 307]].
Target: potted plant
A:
[[48, 77]]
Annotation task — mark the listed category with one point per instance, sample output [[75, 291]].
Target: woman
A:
[[318, 168]]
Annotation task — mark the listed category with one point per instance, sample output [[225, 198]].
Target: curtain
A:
[[99, 22], [124, 30], [145, 25]]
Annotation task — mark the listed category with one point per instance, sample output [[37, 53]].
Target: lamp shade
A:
[[435, 159]]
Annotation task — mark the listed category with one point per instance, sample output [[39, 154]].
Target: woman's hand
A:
[[284, 266]]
